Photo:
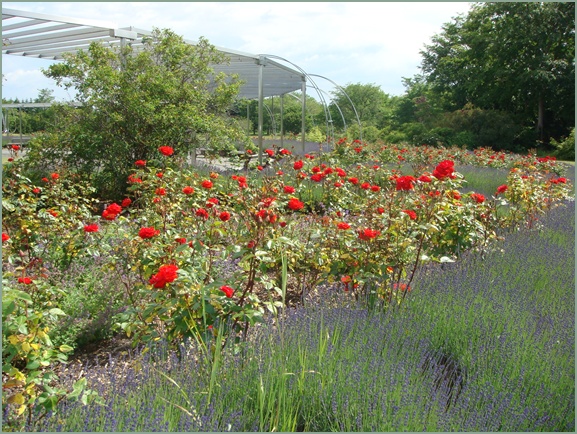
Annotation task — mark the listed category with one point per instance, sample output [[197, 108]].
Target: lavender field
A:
[[483, 344]]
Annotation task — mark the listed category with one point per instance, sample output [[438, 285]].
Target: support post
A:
[[281, 121], [260, 104], [303, 117]]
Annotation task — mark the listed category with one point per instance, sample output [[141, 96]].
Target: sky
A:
[[375, 43]]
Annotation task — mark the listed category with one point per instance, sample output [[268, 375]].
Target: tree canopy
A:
[[515, 56], [135, 101]]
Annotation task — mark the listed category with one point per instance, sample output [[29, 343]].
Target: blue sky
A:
[[347, 42]]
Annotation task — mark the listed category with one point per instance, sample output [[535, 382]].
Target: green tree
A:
[[370, 103], [133, 101], [515, 56]]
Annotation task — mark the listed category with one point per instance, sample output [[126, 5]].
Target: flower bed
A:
[[191, 253]]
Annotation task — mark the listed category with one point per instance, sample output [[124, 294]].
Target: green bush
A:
[[566, 147]]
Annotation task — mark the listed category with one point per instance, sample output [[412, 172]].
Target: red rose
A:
[[295, 204], [207, 184], [91, 228], [479, 198], [365, 186], [424, 178], [288, 189], [166, 150], [145, 233], [405, 183], [242, 182], [140, 163], [298, 165], [368, 234], [180, 240], [188, 190], [412, 214], [502, 189], [354, 180], [36, 190], [317, 177], [5, 237], [228, 291], [159, 175], [15, 147], [285, 152], [338, 184], [444, 169], [340, 172], [260, 168], [251, 244], [55, 176], [270, 152], [133, 179], [201, 212], [44, 179], [381, 210], [25, 280], [224, 216], [126, 203], [166, 274], [160, 191], [211, 202], [375, 188], [343, 225]]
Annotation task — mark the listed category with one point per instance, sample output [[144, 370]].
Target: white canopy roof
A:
[[49, 37]]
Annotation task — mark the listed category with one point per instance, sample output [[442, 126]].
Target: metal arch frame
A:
[[354, 108], [30, 34]]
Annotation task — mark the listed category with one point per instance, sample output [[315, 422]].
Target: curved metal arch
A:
[[314, 85], [354, 108]]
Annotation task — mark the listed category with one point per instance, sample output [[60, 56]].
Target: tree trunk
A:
[[540, 117]]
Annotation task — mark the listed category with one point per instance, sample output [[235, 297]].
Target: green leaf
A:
[[56, 311]]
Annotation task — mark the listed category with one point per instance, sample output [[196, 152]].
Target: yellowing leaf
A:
[[16, 399]]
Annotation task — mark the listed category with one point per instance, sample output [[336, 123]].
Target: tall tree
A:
[[369, 102], [513, 56]]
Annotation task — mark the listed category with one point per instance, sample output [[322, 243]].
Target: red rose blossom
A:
[[25, 280], [188, 190], [444, 169], [502, 189], [288, 189], [365, 185], [91, 228], [354, 180], [201, 212], [166, 150], [140, 163], [479, 198], [368, 234], [145, 233], [295, 204], [270, 152], [405, 183], [343, 225], [55, 176], [228, 291], [207, 184], [166, 274], [224, 216], [424, 178], [412, 214], [126, 202], [160, 191], [5, 237], [298, 165]]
